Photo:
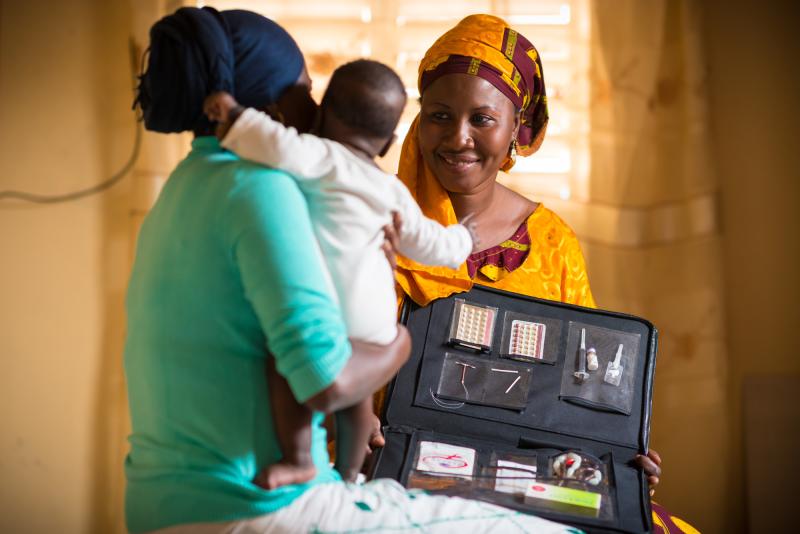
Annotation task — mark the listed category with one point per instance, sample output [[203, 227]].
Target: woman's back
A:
[[203, 291]]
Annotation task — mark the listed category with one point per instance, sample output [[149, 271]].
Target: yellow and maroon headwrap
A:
[[485, 46]]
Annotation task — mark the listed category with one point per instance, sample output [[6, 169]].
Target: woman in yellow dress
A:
[[483, 103]]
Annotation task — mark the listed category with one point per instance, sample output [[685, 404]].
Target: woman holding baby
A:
[[227, 282]]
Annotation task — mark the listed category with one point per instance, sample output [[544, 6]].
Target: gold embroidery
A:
[[511, 44], [473, 66], [513, 244]]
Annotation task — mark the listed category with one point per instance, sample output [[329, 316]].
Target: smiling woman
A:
[[483, 101]]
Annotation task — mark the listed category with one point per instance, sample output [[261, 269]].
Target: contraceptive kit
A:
[[531, 404]]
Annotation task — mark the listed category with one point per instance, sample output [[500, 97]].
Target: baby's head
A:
[[367, 98]]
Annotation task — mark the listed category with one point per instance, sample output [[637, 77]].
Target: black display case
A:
[[531, 404]]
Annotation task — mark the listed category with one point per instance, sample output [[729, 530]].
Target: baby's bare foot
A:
[[284, 473]]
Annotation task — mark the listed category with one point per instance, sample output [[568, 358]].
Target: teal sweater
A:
[[226, 268]]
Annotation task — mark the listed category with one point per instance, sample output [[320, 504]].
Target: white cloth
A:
[[350, 200], [379, 506]]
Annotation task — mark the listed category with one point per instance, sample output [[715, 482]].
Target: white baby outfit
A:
[[350, 200]]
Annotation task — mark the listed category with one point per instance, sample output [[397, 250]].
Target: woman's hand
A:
[[376, 441], [651, 465], [390, 239], [370, 367]]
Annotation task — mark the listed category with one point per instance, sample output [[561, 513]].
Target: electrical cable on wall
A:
[[25, 196], [76, 195]]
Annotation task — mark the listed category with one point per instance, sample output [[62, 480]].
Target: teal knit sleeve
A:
[[285, 279]]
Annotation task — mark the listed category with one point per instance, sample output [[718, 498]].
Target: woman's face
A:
[[296, 105], [465, 131]]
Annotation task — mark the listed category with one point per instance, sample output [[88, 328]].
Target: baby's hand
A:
[[472, 228], [222, 108], [391, 238]]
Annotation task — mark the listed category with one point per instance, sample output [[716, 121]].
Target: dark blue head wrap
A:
[[194, 52]]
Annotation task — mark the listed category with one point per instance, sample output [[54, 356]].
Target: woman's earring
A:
[[511, 158], [512, 152]]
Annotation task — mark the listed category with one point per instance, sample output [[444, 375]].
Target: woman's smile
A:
[[459, 163]]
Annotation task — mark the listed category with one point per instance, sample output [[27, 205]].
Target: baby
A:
[[350, 200]]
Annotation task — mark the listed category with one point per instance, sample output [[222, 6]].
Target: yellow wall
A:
[[64, 102], [754, 90]]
